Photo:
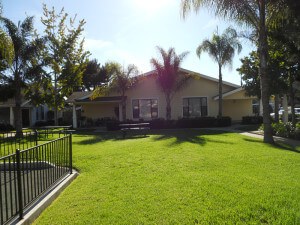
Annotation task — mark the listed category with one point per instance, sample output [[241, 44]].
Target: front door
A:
[[25, 118]]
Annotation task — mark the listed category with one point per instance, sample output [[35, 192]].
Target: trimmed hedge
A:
[[199, 122], [5, 127], [252, 120], [196, 122], [223, 122]]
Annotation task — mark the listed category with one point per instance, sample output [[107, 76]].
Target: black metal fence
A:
[[27, 174], [11, 141]]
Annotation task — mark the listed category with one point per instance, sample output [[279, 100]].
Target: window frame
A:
[[184, 97], [258, 104], [148, 98]]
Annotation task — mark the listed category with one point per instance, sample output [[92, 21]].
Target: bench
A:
[[140, 127]]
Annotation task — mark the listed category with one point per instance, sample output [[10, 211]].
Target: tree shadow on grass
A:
[[180, 135], [277, 145]]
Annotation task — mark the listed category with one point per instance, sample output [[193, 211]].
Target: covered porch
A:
[[236, 104], [99, 108]]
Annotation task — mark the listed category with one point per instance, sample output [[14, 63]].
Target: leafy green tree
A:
[[65, 60], [167, 74], [257, 15], [221, 48], [26, 50], [6, 45], [249, 74], [120, 81], [94, 75]]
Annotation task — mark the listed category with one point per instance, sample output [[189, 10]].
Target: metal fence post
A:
[[36, 137], [18, 158], [70, 152]]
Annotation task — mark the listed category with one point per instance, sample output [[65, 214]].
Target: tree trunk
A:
[[123, 108], [55, 115], [168, 108], [292, 101], [276, 109], [220, 92], [263, 57], [55, 101], [18, 110]]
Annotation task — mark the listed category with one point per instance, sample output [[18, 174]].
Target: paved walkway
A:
[[259, 134]]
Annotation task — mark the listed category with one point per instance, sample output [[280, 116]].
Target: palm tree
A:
[[257, 15], [167, 74], [221, 49], [24, 52], [120, 81]]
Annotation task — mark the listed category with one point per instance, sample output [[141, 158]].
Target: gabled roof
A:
[[101, 99], [78, 95], [210, 78], [200, 75], [84, 96], [229, 93]]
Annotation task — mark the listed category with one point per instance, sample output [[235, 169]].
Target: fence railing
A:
[[27, 174], [11, 141]]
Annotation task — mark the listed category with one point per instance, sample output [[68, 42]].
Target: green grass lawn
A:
[[253, 127], [179, 177]]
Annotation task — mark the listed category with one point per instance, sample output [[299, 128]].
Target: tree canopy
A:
[[64, 57]]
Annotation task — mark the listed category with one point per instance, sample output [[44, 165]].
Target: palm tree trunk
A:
[[168, 108], [18, 110], [276, 108], [220, 92], [123, 108], [263, 57]]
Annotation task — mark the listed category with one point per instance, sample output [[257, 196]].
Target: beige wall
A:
[[99, 110], [194, 88], [236, 109], [235, 105]]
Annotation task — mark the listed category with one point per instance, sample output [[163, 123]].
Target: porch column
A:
[[11, 116], [120, 112], [74, 116], [285, 115]]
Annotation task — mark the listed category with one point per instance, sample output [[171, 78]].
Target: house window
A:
[[145, 108], [195, 107], [255, 106], [40, 115]]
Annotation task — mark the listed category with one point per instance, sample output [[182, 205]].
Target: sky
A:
[[128, 31]]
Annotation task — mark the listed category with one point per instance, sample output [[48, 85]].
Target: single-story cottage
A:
[[30, 113], [198, 98]]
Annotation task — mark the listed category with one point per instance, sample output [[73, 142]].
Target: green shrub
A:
[[252, 120], [197, 122], [223, 122], [285, 130], [5, 127]]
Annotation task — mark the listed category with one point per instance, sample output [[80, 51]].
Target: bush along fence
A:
[[27, 174]]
